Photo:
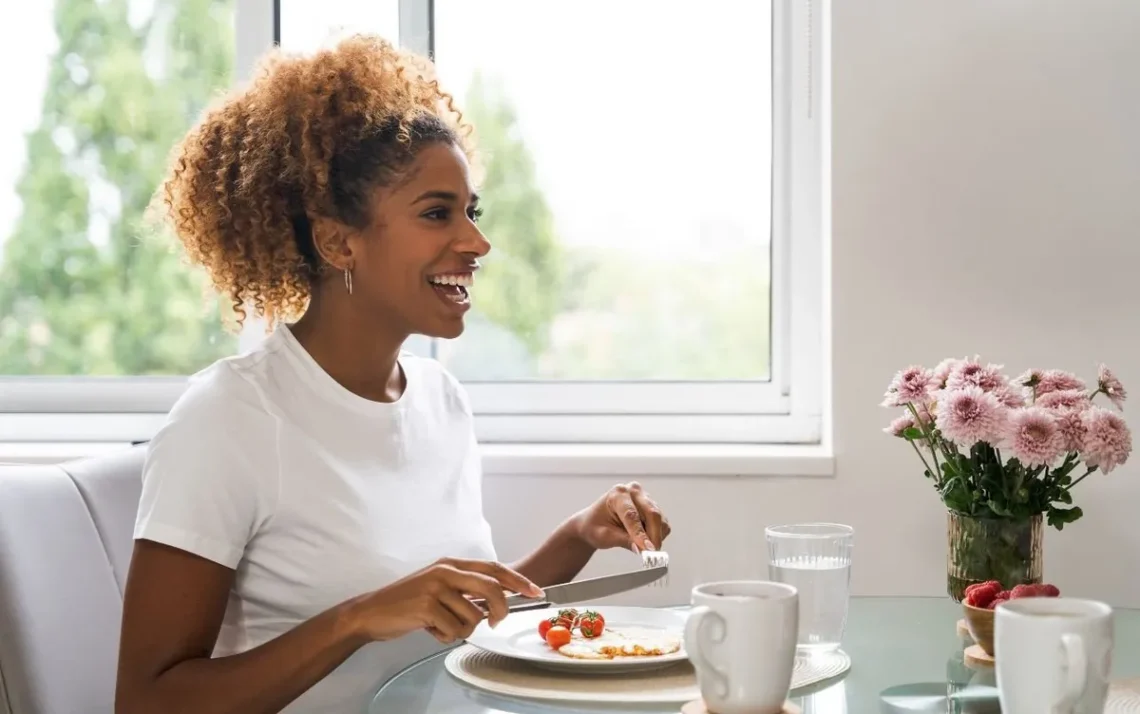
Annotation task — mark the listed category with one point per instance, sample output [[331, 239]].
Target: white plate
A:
[[517, 637]]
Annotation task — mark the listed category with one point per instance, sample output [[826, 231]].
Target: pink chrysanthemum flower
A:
[[971, 372], [926, 413], [1033, 437], [1108, 442], [1055, 380], [1009, 396], [1068, 405], [1029, 378], [1065, 399], [1108, 383], [898, 426], [1071, 426], [944, 368], [912, 385], [969, 415]]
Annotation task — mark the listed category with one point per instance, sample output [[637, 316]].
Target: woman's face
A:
[[414, 264]]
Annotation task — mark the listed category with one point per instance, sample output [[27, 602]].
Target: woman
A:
[[311, 518]]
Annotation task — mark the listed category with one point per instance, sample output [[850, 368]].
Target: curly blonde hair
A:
[[309, 137]]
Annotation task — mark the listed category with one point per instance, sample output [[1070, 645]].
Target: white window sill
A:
[[559, 459], [658, 459]]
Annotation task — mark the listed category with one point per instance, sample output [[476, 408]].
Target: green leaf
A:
[[912, 433], [998, 508], [1058, 517], [956, 497]]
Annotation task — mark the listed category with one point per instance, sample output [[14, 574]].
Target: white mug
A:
[[1052, 655], [741, 640]]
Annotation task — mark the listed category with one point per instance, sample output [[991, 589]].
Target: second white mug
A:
[[1053, 655], [741, 640]]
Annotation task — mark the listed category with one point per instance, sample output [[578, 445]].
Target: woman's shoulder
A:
[[225, 390], [211, 475], [222, 410]]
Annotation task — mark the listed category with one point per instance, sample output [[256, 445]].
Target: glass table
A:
[[906, 656]]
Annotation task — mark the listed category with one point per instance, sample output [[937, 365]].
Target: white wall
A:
[[986, 199]]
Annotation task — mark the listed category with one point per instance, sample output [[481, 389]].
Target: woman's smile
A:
[[454, 289]]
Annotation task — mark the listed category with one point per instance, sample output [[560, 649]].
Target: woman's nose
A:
[[473, 241]]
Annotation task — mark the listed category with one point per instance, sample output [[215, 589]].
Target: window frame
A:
[[786, 409]]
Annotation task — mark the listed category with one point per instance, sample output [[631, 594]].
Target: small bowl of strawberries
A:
[[983, 598]]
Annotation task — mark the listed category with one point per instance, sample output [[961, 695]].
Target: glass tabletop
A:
[[906, 656]]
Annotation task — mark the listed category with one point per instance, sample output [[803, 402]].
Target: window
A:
[[103, 91], [652, 194]]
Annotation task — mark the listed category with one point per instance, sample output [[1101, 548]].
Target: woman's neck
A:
[[357, 353]]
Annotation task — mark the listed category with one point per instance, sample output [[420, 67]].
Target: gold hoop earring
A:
[[348, 280]]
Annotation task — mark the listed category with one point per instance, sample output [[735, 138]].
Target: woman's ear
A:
[[330, 238]]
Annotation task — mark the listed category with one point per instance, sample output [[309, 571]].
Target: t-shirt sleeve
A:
[[206, 486]]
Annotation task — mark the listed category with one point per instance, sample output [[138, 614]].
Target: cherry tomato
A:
[[557, 636], [567, 618], [545, 625], [591, 624]]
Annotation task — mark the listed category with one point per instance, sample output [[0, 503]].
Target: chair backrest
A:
[[65, 547]]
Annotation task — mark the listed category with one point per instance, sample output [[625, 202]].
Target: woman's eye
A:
[[475, 214], [436, 214]]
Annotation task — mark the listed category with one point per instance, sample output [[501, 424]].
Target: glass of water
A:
[[815, 558]]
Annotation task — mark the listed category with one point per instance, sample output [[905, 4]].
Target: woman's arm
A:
[[624, 517], [560, 557], [173, 608]]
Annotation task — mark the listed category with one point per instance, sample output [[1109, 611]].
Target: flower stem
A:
[[1082, 478], [937, 466], [934, 474], [929, 434]]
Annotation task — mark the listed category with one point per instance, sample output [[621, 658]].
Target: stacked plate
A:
[[513, 660]]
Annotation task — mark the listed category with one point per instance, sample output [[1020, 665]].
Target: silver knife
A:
[[584, 590]]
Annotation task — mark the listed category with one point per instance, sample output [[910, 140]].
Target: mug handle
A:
[[695, 632], [1076, 670]]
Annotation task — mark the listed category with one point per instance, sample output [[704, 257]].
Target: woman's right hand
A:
[[438, 599]]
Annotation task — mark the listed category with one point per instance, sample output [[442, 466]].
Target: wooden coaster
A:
[[698, 707], [1123, 696], [974, 654], [963, 630]]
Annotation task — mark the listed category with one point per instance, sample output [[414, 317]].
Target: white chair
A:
[[65, 547]]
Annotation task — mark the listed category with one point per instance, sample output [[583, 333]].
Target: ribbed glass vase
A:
[[981, 549]]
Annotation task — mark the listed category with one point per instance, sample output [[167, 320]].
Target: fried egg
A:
[[622, 642]]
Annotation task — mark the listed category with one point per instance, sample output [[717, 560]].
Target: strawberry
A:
[[982, 594], [1036, 590], [986, 584], [1024, 590], [999, 599]]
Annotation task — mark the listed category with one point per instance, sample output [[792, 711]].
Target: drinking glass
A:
[[815, 558]]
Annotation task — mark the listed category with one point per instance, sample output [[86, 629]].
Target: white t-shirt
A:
[[315, 495]]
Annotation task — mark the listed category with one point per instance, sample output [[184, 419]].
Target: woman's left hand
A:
[[625, 517]]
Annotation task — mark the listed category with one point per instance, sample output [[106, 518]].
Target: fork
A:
[[656, 559]]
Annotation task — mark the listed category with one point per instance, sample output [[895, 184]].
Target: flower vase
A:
[[981, 549]]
